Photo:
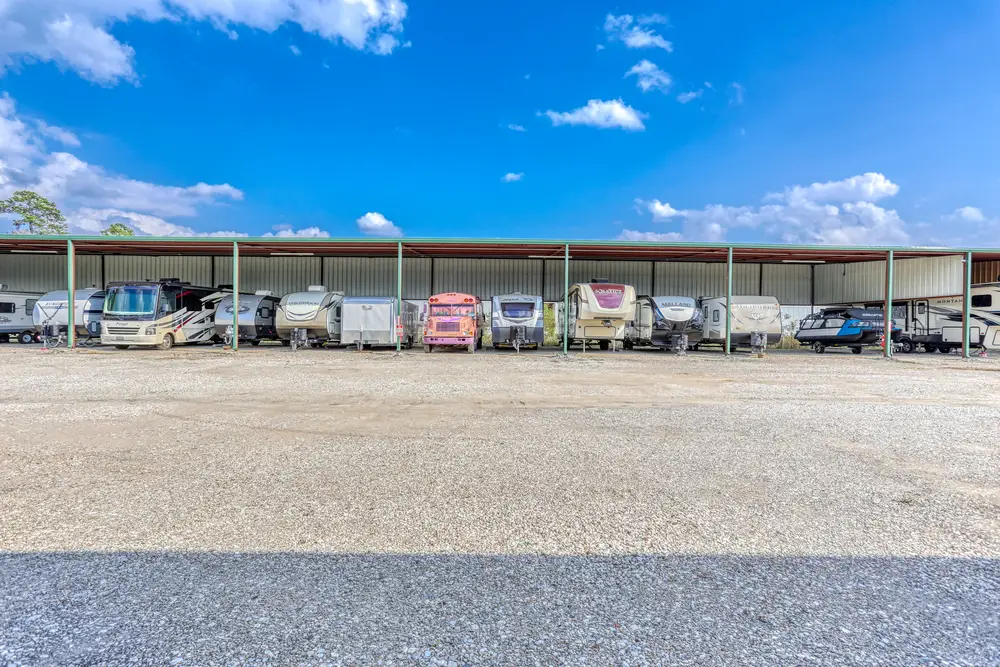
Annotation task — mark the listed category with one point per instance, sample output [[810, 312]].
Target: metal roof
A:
[[470, 248]]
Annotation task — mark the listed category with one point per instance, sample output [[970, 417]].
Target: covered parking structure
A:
[[416, 268]]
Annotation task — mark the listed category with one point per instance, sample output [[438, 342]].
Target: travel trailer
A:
[[599, 311], [15, 315], [454, 320], [750, 315], [371, 321], [315, 310], [662, 321], [936, 322], [255, 320], [518, 320], [159, 313], [844, 327], [52, 309]]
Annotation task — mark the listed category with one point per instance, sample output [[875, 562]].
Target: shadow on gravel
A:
[[207, 608]]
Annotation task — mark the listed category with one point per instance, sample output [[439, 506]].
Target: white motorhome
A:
[[599, 311], [750, 315], [15, 315], [661, 321], [52, 309], [315, 310], [936, 322], [159, 313], [371, 321]]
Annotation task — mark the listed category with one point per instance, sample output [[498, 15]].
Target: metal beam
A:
[[236, 296], [887, 310], [967, 307], [566, 302], [729, 299], [399, 291], [70, 295]]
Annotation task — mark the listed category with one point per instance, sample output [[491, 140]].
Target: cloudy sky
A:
[[849, 122]]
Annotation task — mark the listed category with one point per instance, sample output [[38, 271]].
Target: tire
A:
[[285, 343], [255, 342], [605, 345], [121, 347], [906, 345], [930, 348], [856, 350], [428, 349], [4, 338], [26, 337], [167, 342], [819, 348], [944, 350]]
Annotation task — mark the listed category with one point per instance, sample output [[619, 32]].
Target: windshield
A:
[[131, 300], [517, 310], [452, 311]]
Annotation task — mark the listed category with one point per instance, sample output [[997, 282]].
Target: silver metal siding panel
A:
[[361, 276], [697, 279], [487, 277], [928, 276], [33, 273], [850, 283], [195, 270], [790, 284], [637, 274], [88, 272], [280, 275]]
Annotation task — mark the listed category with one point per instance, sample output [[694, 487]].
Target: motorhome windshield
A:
[[131, 300], [517, 310], [444, 310]]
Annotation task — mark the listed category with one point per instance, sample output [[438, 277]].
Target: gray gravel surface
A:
[[201, 507]]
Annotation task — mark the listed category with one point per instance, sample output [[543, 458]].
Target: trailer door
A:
[[921, 317]]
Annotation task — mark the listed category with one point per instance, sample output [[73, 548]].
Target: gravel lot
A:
[[334, 507]]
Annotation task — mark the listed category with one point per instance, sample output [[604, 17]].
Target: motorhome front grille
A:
[[448, 326], [127, 331]]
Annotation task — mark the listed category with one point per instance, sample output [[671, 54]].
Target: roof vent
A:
[[316, 288], [263, 292]]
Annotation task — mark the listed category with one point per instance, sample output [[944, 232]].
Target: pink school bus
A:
[[454, 320]]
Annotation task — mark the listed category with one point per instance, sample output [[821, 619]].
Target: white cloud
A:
[[649, 76], [296, 51], [598, 113], [660, 210], [75, 34], [93, 221], [375, 224], [684, 98], [871, 186], [600, 47], [633, 235], [968, 214], [738, 92], [286, 231], [511, 177], [636, 34], [516, 127], [60, 134]]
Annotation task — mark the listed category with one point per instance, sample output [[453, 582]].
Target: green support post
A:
[[70, 295], [887, 310], [236, 296], [399, 292], [729, 298], [967, 308], [566, 302]]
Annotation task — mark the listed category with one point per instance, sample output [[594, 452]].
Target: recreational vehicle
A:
[[372, 321], [158, 313], [518, 320], [599, 311], [454, 320], [663, 321], [750, 315], [15, 315], [843, 327], [316, 310], [52, 310], [936, 322], [255, 320]]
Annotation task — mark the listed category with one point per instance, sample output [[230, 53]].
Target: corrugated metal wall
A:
[[488, 277], [45, 273], [195, 270], [865, 281], [637, 274], [280, 275], [697, 279], [985, 272], [790, 284]]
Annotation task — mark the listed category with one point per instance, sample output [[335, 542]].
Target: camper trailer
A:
[[316, 310], [159, 313], [663, 321], [843, 327], [518, 320], [15, 315], [936, 322], [750, 315], [255, 320], [454, 320], [599, 311], [52, 310], [371, 321]]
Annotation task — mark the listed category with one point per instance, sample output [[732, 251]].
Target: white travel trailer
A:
[[518, 320], [936, 322], [750, 315], [599, 311], [15, 315], [662, 321], [52, 309], [159, 313], [255, 321], [316, 310], [371, 321]]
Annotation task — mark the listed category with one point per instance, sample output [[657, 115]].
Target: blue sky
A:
[[845, 122]]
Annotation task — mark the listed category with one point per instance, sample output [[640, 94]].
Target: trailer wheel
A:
[[856, 350], [121, 347], [255, 342], [427, 348], [944, 350], [167, 342], [285, 342], [906, 345], [604, 344], [4, 338], [819, 348], [26, 337]]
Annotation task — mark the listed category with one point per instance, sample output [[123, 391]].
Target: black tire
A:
[[4, 338], [285, 342], [121, 347], [930, 348], [254, 343], [856, 350], [906, 345], [26, 337], [819, 348], [605, 344], [166, 343], [944, 350]]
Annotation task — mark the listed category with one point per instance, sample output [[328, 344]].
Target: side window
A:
[[6, 308], [168, 302], [922, 308], [835, 323], [715, 315], [264, 312], [337, 312], [29, 305], [982, 301]]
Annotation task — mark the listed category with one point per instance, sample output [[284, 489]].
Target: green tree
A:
[[118, 229], [38, 214]]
